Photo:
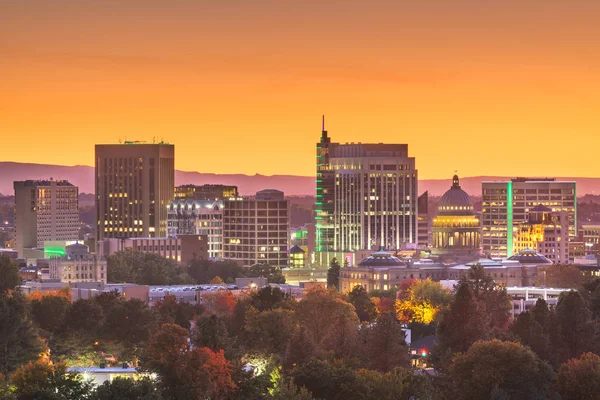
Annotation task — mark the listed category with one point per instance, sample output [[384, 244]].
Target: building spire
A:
[[323, 124]]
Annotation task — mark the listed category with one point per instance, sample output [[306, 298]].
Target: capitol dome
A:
[[455, 229], [455, 201], [382, 259]]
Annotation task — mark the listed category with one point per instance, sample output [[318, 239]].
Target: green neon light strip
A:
[[509, 219], [55, 250]]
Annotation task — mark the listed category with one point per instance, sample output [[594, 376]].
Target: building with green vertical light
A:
[[506, 204], [366, 197]]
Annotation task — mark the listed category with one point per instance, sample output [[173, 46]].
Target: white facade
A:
[[375, 196]]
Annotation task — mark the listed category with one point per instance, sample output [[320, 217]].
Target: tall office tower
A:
[[198, 217], [366, 196], [423, 220], [257, 231], [135, 183], [205, 192], [45, 210], [505, 205]]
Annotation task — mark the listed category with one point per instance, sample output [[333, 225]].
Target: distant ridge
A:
[[83, 176]]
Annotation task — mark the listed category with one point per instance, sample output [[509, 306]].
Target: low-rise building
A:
[[78, 265], [182, 248], [591, 237], [382, 271], [546, 232]]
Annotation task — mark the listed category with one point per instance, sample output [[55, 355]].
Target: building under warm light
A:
[[545, 232], [205, 192], [297, 257], [366, 196], [455, 229], [77, 265], [45, 210], [506, 204], [257, 231], [135, 183]]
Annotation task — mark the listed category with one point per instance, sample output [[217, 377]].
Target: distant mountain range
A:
[[83, 176]]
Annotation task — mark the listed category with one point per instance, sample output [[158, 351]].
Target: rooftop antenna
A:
[[323, 124]]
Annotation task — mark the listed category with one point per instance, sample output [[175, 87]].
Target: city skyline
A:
[[230, 89]]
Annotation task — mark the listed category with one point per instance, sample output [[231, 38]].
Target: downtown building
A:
[[198, 217], [366, 198], [546, 232], [506, 205], [77, 264], [257, 230], [181, 249], [45, 211], [205, 192], [134, 185]]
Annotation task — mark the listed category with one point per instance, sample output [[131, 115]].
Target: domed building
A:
[[455, 229]]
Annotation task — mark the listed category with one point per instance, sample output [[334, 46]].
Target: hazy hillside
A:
[[83, 176]]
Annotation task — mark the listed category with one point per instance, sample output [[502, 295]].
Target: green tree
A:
[[127, 389], [319, 308], [49, 312], [579, 333], [508, 366], [365, 308], [397, 384], [19, 341], [333, 274], [202, 271], [269, 331], [495, 298], [42, 380], [211, 332], [85, 316], [144, 268], [461, 325], [385, 347], [272, 273], [163, 355], [287, 390], [342, 338], [301, 348], [267, 298], [326, 381], [129, 324], [531, 333], [579, 378], [566, 276], [170, 311], [9, 274]]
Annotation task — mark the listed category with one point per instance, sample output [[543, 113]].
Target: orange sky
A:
[[484, 87]]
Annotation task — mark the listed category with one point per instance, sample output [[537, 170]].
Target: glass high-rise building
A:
[[505, 205], [366, 196], [135, 183]]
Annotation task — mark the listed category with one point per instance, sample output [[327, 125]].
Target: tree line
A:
[[265, 345], [133, 266]]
